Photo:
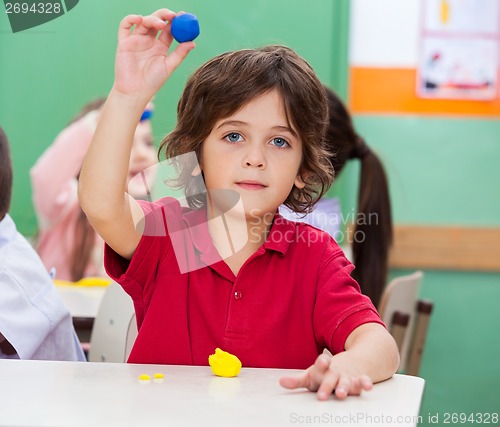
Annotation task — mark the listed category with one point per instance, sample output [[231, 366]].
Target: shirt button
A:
[[238, 295]]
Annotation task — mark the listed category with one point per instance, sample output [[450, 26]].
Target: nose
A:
[[142, 153], [138, 150], [254, 157]]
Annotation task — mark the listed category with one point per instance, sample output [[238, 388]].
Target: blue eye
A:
[[233, 137], [280, 142]]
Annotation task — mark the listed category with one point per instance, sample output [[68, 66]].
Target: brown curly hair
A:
[[225, 84]]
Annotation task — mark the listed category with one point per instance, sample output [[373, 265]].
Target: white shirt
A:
[[326, 216], [33, 317]]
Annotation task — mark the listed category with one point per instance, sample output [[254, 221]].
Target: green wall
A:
[[50, 71], [443, 171], [461, 360]]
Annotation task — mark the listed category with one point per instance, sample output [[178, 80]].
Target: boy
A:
[[34, 323]]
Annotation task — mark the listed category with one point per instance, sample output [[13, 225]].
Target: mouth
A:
[[251, 185], [135, 172]]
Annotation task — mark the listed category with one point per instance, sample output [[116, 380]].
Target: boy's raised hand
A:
[[143, 63]]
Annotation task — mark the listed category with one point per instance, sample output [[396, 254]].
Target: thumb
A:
[[293, 382], [174, 59]]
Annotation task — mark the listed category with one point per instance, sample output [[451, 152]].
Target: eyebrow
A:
[[241, 123]]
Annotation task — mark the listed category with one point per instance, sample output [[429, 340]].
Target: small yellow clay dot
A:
[[157, 376], [144, 377]]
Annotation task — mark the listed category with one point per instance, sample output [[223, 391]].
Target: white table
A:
[[37, 393]]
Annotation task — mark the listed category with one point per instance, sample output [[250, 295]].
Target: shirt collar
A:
[[196, 222], [281, 235], [8, 230]]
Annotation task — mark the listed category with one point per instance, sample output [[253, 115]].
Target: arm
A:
[[6, 347], [53, 177], [370, 356], [142, 66]]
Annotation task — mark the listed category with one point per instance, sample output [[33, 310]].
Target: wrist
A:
[[134, 102], [126, 108]]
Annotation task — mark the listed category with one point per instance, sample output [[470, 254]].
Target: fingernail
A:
[[341, 391], [322, 395]]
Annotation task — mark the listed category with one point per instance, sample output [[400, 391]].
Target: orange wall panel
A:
[[393, 90]]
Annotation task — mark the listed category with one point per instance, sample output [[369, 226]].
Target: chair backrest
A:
[[407, 318], [115, 329]]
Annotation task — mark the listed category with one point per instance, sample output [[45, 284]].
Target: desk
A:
[[40, 393]]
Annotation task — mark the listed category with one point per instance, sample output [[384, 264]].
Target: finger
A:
[[166, 36], [294, 382], [328, 384], [316, 373], [319, 370], [164, 14], [343, 387], [356, 387], [323, 361], [168, 16], [177, 56], [126, 24], [150, 25], [366, 382], [359, 384]]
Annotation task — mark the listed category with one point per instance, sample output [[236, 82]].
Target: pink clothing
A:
[[55, 198]]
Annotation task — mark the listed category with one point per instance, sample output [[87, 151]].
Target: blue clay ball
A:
[[185, 27]]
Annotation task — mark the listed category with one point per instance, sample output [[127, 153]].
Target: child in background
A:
[[373, 229], [256, 120], [34, 323], [67, 241]]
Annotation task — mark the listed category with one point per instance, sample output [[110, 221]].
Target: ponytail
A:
[[85, 234], [373, 228], [83, 247], [373, 231]]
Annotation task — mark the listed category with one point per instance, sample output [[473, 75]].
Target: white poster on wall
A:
[[459, 48]]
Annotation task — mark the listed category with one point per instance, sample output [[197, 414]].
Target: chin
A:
[[136, 186], [260, 212], [138, 192]]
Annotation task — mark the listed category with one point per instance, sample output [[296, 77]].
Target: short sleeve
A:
[[340, 306], [136, 275]]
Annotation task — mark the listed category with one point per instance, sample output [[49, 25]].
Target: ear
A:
[[299, 183]]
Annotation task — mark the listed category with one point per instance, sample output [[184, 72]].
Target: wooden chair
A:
[[115, 328], [407, 318]]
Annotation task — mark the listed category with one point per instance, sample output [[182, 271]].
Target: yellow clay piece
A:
[[224, 364], [85, 282], [158, 376], [144, 377], [93, 281]]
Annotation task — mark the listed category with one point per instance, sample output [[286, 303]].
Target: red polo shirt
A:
[[290, 300]]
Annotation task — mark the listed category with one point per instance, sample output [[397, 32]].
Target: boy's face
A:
[[255, 153]]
